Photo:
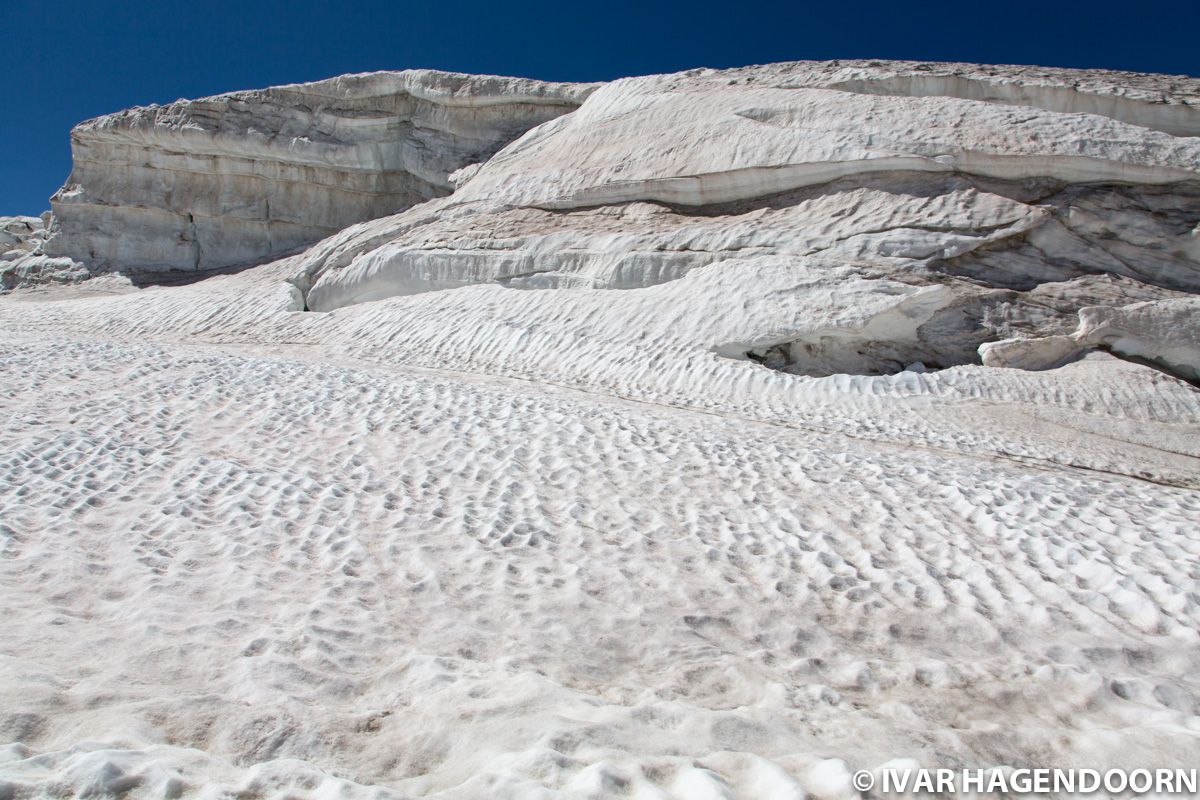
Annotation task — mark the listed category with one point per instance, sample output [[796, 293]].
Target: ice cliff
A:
[[240, 177]]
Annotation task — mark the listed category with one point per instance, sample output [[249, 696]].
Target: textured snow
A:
[[660, 459]]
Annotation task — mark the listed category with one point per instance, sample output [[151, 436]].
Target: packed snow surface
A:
[[710, 435]]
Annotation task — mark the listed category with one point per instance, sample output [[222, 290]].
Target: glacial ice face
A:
[[1002, 187], [242, 177], [714, 142], [22, 257], [1163, 333]]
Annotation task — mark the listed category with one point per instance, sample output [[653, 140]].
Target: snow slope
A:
[[731, 433]]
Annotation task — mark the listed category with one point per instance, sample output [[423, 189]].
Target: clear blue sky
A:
[[66, 61]]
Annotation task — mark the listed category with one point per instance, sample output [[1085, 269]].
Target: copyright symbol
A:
[[863, 780]]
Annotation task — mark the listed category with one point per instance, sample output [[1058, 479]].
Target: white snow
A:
[[569, 488]]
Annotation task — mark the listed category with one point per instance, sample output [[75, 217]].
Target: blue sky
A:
[[66, 61]]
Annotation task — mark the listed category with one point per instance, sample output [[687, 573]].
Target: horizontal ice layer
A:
[[1170, 104], [636, 245]]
